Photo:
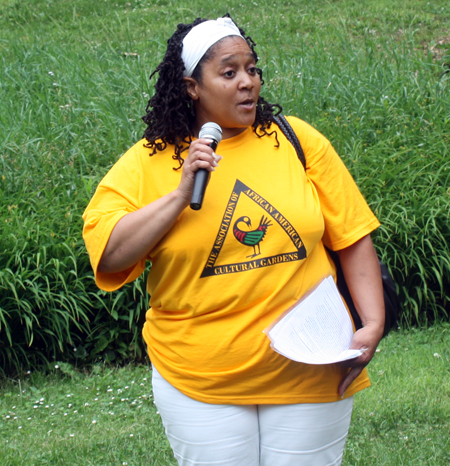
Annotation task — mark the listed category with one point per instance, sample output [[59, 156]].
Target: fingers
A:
[[366, 339], [361, 360], [202, 156], [348, 379]]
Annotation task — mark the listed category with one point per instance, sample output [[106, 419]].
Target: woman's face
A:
[[229, 87]]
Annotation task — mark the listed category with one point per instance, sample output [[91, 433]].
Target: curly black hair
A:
[[170, 111]]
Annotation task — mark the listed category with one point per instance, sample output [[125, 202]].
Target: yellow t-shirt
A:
[[222, 274]]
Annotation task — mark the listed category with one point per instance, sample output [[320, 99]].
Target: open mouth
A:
[[248, 103]]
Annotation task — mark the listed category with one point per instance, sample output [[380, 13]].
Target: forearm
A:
[[363, 277], [135, 234]]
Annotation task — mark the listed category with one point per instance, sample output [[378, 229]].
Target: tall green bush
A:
[[386, 108]]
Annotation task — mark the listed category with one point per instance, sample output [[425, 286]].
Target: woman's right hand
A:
[[200, 156], [137, 233]]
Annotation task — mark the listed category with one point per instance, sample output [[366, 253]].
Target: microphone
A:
[[213, 132]]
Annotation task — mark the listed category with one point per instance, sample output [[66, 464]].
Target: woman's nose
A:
[[246, 81]]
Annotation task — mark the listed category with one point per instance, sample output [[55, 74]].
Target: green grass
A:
[[373, 76], [404, 418], [107, 417]]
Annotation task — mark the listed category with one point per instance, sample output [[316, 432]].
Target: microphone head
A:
[[212, 131]]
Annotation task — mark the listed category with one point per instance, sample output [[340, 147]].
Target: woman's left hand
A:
[[363, 277], [366, 339]]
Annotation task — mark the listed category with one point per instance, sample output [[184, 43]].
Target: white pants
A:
[[252, 435]]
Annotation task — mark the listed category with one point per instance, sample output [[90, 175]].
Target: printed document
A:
[[318, 330]]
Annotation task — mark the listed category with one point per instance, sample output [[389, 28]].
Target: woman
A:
[[224, 395]]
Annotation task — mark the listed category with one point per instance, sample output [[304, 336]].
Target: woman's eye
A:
[[229, 74], [252, 70]]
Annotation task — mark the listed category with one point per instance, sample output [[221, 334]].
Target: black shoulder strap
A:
[[287, 130]]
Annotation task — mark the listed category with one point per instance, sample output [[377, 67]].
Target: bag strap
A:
[[287, 130], [391, 299]]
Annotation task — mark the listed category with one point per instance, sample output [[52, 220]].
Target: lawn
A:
[[106, 416]]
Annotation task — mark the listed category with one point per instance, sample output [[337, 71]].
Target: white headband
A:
[[201, 37]]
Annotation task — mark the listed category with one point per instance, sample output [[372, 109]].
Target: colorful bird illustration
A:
[[251, 238]]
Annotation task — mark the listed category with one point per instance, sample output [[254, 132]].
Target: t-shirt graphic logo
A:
[[278, 249], [251, 238]]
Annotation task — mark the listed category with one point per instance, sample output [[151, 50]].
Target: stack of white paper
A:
[[318, 330]]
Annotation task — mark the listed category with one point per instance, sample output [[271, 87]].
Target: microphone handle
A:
[[200, 182], [201, 178]]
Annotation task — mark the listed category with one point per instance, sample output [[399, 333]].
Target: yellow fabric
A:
[[210, 299]]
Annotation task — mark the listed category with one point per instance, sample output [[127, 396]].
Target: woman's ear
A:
[[191, 88]]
